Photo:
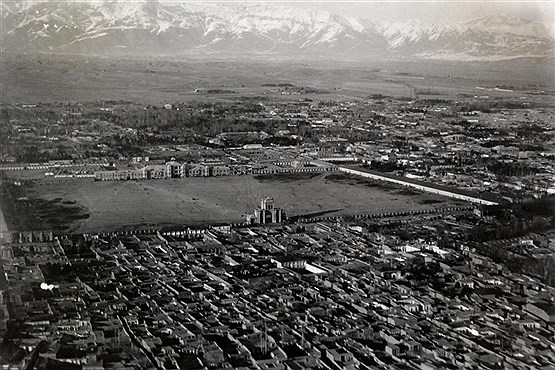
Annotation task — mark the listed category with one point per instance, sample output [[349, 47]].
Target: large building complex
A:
[[170, 170]]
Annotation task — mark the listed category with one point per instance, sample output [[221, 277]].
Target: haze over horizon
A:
[[435, 11]]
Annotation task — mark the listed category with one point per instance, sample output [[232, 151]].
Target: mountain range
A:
[[117, 27]]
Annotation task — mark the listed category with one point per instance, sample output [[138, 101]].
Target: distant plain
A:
[[61, 78]]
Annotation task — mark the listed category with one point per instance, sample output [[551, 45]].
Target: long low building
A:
[[169, 170], [119, 175], [419, 185]]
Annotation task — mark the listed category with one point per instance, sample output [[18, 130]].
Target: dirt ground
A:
[[116, 205]]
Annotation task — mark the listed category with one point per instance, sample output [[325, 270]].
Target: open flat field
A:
[[61, 78], [118, 205]]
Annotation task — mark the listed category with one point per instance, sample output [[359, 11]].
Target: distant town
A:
[[501, 149], [463, 279]]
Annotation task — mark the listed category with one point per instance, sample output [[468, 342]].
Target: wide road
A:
[[420, 186]]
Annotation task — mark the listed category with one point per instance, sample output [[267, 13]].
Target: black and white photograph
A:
[[277, 185]]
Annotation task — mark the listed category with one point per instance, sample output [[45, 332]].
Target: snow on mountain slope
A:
[[150, 27], [508, 24]]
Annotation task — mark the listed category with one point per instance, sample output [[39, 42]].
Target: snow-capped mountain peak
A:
[[152, 27]]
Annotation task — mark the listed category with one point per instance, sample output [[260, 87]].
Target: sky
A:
[[436, 11]]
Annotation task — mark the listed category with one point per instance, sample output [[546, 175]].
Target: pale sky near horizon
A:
[[450, 11], [435, 11]]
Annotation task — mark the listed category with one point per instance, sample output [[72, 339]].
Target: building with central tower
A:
[[267, 213]]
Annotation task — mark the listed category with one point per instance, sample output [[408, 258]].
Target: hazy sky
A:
[[435, 11]]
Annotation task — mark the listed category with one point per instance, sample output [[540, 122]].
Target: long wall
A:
[[418, 186]]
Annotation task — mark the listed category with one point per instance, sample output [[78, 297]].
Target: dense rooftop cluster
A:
[[305, 295]]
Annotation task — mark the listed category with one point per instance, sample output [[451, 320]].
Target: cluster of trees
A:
[[513, 228], [18, 210], [541, 267], [511, 169], [30, 154], [529, 216], [207, 119], [496, 105], [127, 145], [203, 123], [511, 221], [384, 166]]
